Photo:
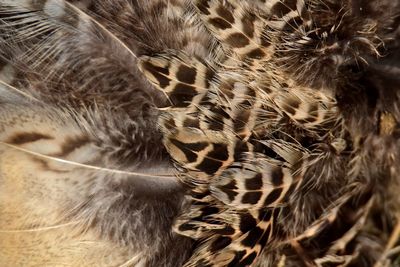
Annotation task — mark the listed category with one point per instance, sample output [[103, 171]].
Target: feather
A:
[[237, 28], [281, 118]]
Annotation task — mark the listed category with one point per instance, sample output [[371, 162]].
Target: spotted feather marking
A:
[[236, 27], [198, 125], [206, 137], [238, 187], [185, 81], [238, 240], [308, 109], [194, 224], [196, 147], [194, 142], [249, 34], [259, 180], [217, 113], [198, 152], [192, 137], [235, 109], [209, 137], [287, 15], [253, 185], [222, 104], [234, 235]]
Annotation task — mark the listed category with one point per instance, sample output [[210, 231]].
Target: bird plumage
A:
[[281, 117]]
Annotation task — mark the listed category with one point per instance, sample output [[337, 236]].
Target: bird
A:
[[208, 132]]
